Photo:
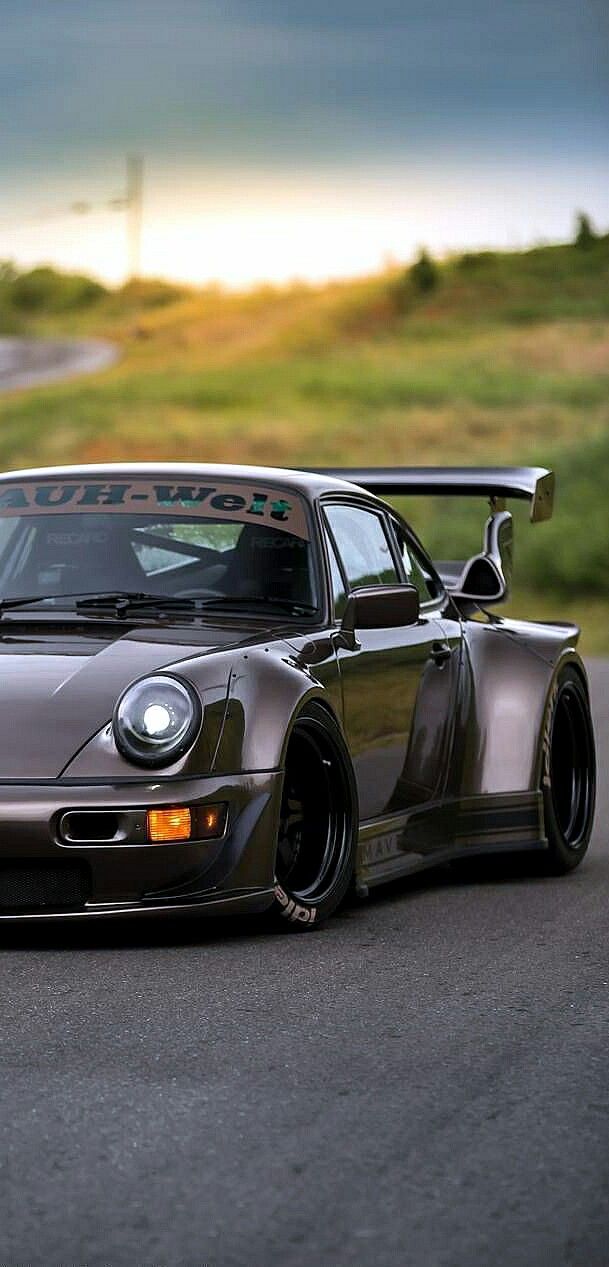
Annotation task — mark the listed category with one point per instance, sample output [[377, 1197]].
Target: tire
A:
[[569, 773], [318, 826]]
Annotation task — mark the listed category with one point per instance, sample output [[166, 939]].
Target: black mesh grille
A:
[[42, 885]]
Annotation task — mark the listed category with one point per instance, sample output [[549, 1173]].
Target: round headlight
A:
[[156, 720]]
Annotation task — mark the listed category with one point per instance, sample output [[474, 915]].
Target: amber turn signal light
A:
[[203, 822], [210, 821], [169, 824]]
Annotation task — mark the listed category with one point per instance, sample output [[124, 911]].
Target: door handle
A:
[[440, 652]]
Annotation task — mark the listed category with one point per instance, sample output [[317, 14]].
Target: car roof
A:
[[307, 483]]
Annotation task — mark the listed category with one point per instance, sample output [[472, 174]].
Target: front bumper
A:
[[43, 877]]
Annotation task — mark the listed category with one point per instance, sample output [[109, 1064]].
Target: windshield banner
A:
[[280, 509]]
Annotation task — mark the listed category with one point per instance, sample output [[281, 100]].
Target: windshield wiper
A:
[[257, 600], [122, 602], [7, 604], [11, 604]]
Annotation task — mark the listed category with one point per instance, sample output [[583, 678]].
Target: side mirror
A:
[[381, 607], [487, 577]]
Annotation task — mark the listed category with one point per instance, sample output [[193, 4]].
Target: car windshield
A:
[[226, 542]]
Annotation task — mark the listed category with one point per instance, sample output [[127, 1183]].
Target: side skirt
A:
[[438, 832]]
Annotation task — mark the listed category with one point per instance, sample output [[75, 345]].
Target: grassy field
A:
[[505, 358]]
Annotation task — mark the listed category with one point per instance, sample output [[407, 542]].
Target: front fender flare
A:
[[266, 693]]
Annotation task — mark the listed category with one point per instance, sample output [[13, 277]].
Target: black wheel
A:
[[569, 773], [318, 823]]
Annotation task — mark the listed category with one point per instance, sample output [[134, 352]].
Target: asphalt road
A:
[[29, 362], [424, 1082]]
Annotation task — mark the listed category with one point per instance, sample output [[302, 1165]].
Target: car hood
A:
[[59, 687]]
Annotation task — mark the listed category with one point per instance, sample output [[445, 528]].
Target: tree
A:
[[585, 237], [424, 273], [8, 272]]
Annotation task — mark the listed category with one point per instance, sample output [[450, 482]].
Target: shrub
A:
[[424, 274], [471, 261], [585, 237], [8, 273], [149, 292], [45, 290]]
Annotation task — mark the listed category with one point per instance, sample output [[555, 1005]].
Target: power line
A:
[[131, 202]]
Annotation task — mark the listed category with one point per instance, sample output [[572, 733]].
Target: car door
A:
[[397, 700], [432, 731]]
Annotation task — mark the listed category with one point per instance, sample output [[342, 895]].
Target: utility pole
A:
[[129, 201], [135, 180]]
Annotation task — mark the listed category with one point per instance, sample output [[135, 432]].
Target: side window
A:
[[339, 598], [362, 545], [416, 569]]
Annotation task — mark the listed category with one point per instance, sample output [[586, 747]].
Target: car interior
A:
[[186, 557]]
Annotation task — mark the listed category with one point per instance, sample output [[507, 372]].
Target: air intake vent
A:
[[43, 886], [89, 826]]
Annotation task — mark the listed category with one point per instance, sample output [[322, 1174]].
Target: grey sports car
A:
[[245, 689]]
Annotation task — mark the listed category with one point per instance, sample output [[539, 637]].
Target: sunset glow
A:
[[243, 227]]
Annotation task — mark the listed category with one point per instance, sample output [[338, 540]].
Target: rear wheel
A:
[[318, 823], [569, 773]]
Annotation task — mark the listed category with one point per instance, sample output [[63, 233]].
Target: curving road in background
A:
[[422, 1083], [30, 362]]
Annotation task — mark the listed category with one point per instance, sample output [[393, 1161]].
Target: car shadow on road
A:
[[131, 934], [486, 871], [158, 932]]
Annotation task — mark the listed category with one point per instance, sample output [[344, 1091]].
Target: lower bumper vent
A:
[[42, 886]]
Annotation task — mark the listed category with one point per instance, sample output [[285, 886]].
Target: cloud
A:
[[261, 79]]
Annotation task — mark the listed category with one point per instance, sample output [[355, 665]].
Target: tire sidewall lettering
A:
[[292, 910], [547, 736]]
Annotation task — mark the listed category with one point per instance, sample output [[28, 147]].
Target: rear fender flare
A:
[[511, 684], [574, 661]]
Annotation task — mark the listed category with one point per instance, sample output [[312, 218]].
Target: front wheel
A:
[[569, 773], [318, 823]]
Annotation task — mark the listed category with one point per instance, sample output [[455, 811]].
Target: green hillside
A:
[[488, 357]]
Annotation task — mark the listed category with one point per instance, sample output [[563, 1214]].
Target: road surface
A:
[[29, 362], [424, 1083]]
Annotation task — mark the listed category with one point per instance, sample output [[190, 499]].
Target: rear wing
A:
[[534, 484]]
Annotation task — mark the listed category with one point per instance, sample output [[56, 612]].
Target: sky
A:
[[298, 140]]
